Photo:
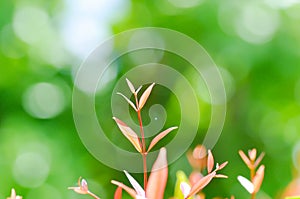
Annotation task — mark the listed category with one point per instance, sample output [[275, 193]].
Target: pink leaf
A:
[[129, 134], [222, 165], [210, 162], [160, 136], [259, 159], [201, 184], [129, 190], [129, 102], [118, 193], [252, 154], [258, 178], [245, 158], [158, 177], [137, 187], [130, 85], [145, 96]]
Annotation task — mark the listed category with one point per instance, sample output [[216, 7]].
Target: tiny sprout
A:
[[13, 195], [204, 181], [83, 188], [253, 185]]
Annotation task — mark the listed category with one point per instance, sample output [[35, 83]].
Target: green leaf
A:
[[181, 177]]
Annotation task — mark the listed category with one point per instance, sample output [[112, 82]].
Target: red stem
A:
[[93, 195], [144, 153]]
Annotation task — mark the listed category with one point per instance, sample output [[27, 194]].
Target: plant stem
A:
[[144, 153], [93, 195], [252, 174]]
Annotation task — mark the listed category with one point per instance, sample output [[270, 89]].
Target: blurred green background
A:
[[42, 43]]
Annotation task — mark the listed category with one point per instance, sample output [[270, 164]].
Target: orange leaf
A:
[[158, 177], [118, 193], [128, 100], [129, 134], [145, 96], [222, 165], [259, 159], [130, 85], [201, 184], [245, 158], [258, 178], [129, 190], [160, 136], [210, 162]]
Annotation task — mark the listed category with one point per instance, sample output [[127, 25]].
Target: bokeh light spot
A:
[[44, 100], [31, 169], [29, 22]]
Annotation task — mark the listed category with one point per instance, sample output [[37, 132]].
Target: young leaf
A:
[[252, 154], [129, 134], [201, 184], [118, 193], [129, 102], [180, 178], [246, 184], [185, 189], [130, 85], [138, 89], [160, 136], [129, 190], [258, 178], [210, 162], [245, 158], [137, 187], [222, 165], [158, 177], [259, 159], [145, 96]]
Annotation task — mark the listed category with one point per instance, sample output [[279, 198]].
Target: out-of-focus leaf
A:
[[245, 158], [210, 162], [118, 193], [180, 178], [158, 177], [258, 178], [129, 190], [246, 184], [201, 184]]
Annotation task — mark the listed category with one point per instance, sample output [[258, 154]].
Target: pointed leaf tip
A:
[[160, 136], [128, 101], [145, 96], [137, 187], [210, 162], [130, 85]]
